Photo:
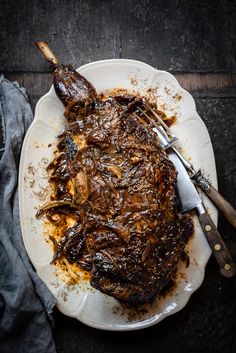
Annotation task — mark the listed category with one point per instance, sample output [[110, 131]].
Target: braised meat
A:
[[113, 192], [112, 176]]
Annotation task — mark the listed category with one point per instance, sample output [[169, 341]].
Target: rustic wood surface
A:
[[195, 41]]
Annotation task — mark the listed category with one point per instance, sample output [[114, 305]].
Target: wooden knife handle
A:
[[219, 201], [218, 247]]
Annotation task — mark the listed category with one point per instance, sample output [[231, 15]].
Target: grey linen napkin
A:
[[25, 302]]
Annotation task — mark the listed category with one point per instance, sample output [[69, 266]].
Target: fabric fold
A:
[[26, 304]]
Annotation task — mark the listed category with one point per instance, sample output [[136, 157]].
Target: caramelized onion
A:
[[81, 186], [114, 170], [55, 204]]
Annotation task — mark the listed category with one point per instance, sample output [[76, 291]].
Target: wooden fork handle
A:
[[218, 200]]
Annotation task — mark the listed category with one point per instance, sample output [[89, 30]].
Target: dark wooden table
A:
[[195, 41]]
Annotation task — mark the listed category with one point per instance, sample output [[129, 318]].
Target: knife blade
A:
[[190, 199], [218, 200]]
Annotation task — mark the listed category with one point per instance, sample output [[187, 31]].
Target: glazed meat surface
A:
[[111, 176]]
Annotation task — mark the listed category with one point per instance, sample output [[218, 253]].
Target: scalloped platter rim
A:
[[81, 301]]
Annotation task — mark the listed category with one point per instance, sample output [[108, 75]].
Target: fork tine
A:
[[164, 137], [167, 129], [148, 117], [168, 142]]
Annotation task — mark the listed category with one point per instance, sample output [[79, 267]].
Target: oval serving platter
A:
[[80, 300]]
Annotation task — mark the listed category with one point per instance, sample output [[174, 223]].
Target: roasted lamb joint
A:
[[111, 177]]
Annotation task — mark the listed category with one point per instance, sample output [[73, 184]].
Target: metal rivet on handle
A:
[[208, 228], [217, 247], [227, 267]]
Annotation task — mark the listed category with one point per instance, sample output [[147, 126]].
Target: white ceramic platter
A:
[[81, 300]]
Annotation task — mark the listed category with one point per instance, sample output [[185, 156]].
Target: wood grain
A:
[[177, 36], [199, 85], [194, 40]]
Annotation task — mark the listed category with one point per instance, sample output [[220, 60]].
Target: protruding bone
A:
[[46, 51]]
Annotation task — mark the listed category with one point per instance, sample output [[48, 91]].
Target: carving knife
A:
[[190, 199]]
